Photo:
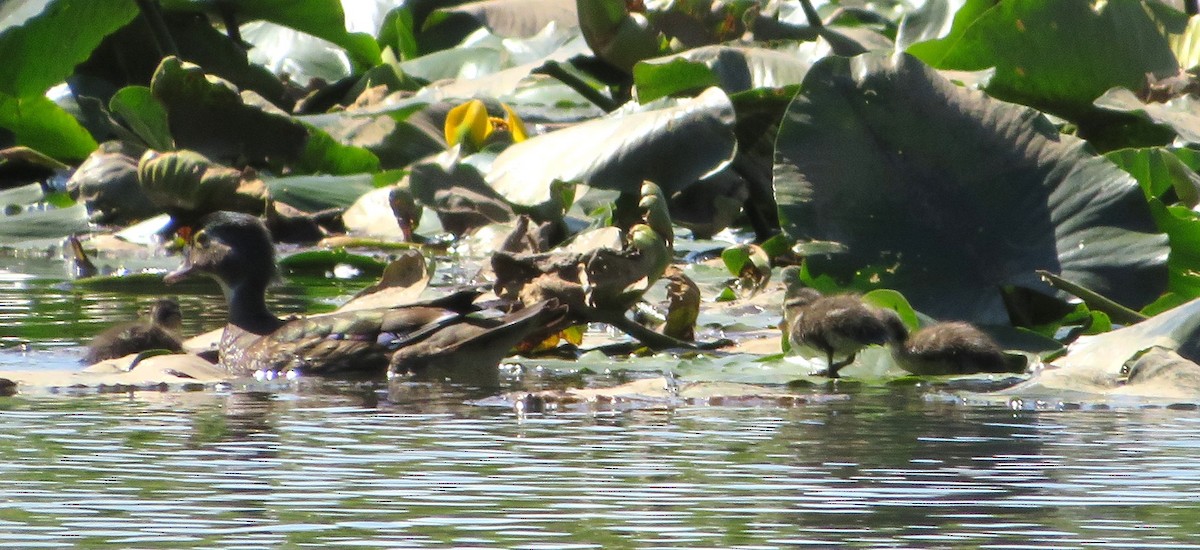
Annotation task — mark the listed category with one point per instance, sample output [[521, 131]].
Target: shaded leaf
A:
[[1181, 114], [947, 195], [320, 18]]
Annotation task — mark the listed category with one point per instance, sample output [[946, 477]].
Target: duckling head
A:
[[165, 313]]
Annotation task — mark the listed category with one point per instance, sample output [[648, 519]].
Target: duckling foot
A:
[[833, 369]]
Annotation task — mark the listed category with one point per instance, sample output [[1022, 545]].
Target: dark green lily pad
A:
[[208, 116], [948, 195], [324, 260]]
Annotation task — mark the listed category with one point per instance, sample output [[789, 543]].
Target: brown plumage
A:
[[159, 330], [953, 348], [839, 325], [236, 250]]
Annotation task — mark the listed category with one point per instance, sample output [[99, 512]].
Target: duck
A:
[[159, 329], [450, 332], [953, 347], [837, 325]]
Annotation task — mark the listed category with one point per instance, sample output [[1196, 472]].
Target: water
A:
[[337, 464]]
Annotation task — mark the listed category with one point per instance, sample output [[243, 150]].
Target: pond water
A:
[[329, 464]]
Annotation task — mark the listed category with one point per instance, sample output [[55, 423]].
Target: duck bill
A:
[[183, 272]]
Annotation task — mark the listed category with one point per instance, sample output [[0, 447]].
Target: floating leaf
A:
[[947, 195]]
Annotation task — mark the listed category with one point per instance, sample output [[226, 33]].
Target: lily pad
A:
[[673, 147], [950, 195], [1100, 364], [1045, 53], [732, 68], [1181, 114]]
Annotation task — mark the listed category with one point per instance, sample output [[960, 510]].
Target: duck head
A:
[[233, 248], [236, 250]]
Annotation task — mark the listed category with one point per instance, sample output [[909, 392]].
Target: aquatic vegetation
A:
[[581, 152]]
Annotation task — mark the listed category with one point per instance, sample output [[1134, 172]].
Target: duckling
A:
[[159, 330], [953, 348], [236, 250], [839, 325]]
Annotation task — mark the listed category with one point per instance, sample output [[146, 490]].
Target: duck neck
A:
[[248, 307]]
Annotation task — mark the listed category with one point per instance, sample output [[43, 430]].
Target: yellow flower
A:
[[470, 125]]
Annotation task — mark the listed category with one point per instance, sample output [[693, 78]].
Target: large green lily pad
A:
[[951, 195]]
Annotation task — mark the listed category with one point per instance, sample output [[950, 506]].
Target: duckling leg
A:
[[835, 367]]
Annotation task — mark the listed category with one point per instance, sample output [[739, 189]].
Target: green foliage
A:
[[1045, 53], [39, 124], [320, 18], [949, 195], [144, 115], [41, 51]]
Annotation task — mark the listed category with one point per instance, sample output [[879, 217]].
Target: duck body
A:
[[953, 348], [159, 330], [838, 325], [236, 250]]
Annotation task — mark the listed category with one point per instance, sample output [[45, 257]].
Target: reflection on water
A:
[[358, 466], [324, 464]]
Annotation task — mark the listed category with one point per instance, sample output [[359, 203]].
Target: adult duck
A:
[[450, 332]]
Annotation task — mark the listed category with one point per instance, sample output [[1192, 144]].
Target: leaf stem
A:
[[555, 70]]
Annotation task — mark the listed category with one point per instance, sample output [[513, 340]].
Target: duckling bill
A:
[[237, 251], [159, 330]]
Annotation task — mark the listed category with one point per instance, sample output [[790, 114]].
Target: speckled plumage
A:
[[236, 250]]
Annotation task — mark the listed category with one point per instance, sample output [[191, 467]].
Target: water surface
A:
[[329, 464]]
